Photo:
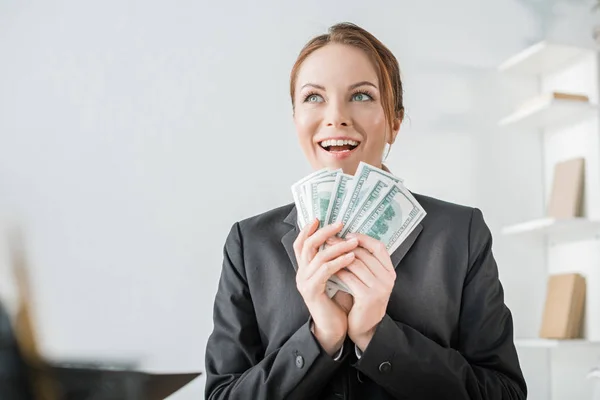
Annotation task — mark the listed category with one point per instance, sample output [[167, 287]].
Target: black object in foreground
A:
[[14, 383], [44, 380], [62, 382], [26, 374]]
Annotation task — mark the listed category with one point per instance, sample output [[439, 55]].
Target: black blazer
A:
[[447, 333]]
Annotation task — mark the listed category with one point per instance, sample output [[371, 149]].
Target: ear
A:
[[395, 130]]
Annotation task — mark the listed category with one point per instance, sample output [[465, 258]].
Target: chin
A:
[[348, 166]]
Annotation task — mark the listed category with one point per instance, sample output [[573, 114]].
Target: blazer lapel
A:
[[401, 251], [288, 239]]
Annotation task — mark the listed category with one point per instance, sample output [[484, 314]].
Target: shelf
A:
[[571, 227], [550, 343], [542, 58], [553, 112]]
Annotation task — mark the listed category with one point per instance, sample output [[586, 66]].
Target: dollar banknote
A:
[[300, 197], [318, 193], [338, 195], [354, 219], [392, 218], [365, 178], [372, 202]]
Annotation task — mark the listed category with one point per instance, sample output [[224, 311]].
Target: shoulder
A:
[[267, 219], [271, 224], [455, 222], [260, 231], [438, 208], [450, 216]]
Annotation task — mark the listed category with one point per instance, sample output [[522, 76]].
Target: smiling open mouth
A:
[[339, 145]]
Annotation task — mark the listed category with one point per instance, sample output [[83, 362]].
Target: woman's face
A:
[[338, 112]]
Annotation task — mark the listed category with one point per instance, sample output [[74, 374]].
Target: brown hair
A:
[[386, 64]]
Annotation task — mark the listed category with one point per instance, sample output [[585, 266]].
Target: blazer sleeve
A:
[[485, 365], [236, 366]]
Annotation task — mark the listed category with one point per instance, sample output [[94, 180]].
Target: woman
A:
[[427, 322]]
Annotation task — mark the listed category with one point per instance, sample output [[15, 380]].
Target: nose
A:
[[337, 115]]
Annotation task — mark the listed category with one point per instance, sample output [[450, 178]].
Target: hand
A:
[[314, 270], [371, 277], [344, 300]]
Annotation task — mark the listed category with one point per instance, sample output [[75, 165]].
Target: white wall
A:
[[135, 133]]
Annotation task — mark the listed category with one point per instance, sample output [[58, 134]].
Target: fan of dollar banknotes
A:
[[372, 202]]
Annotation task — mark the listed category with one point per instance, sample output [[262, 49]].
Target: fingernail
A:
[[351, 236], [350, 255], [353, 240]]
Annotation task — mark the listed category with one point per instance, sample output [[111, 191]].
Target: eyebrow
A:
[[363, 83], [353, 86]]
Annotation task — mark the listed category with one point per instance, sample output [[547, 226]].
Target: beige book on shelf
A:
[[567, 96], [564, 307], [544, 99], [567, 189]]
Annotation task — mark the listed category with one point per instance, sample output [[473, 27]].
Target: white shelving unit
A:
[[566, 129], [543, 58], [551, 113], [556, 229], [549, 343]]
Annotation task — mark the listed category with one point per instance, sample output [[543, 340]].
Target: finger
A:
[[330, 253], [306, 231], [367, 258], [357, 287], [344, 300], [333, 240], [326, 270], [362, 272], [314, 241], [375, 247], [372, 263]]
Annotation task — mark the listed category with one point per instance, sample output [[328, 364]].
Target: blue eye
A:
[[313, 98], [361, 96]]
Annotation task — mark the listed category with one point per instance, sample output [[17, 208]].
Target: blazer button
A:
[[299, 361], [385, 367]]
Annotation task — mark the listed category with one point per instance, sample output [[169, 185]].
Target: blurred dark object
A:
[[72, 382], [30, 376], [14, 383]]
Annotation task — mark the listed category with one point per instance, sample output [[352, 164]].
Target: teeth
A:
[[328, 143]]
